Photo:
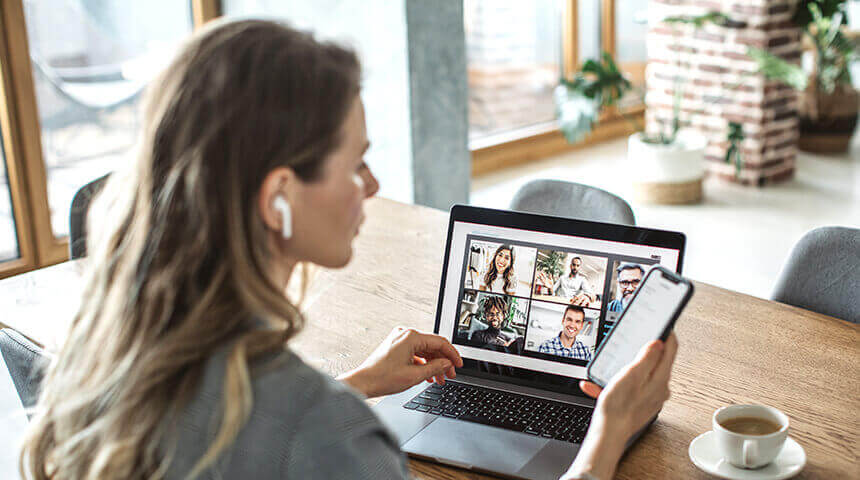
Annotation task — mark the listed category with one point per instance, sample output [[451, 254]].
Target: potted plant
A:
[[666, 166], [829, 105]]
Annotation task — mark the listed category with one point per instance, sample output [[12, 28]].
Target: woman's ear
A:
[[280, 182]]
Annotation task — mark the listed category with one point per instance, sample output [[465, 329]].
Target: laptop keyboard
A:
[[534, 416]]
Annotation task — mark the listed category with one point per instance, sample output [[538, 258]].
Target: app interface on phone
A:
[[641, 323]]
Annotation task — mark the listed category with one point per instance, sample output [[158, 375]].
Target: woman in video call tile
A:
[[494, 310], [500, 276], [565, 343]]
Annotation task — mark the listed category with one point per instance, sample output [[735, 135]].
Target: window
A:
[[8, 233], [516, 52], [90, 64], [631, 27], [72, 74], [513, 50]]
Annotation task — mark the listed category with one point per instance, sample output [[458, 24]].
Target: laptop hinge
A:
[[523, 390]]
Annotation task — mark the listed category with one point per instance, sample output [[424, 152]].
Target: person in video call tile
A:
[[494, 310], [565, 343], [574, 285], [500, 276], [629, 276]]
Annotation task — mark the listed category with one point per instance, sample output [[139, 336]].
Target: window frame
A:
[[14, 170], [21, 136], [535, 142]]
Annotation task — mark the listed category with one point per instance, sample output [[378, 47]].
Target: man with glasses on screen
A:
[[565, 343], [629, 277]]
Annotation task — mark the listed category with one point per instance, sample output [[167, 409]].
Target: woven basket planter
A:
[[667, 174]]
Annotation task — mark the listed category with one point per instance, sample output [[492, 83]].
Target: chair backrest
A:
[[78, 216], [13, 424], [822, 273], [26, 362], [572, 200]]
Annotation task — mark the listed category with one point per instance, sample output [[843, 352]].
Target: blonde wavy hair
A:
[[179, 255]]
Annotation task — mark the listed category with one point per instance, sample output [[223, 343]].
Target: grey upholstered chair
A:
[[25, 361], [78, 216], [822, 273], [573, 200]]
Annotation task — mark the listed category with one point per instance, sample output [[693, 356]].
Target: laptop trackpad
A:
[[475, 445]]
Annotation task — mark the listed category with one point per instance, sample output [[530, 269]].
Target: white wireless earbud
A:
[[282, 206]]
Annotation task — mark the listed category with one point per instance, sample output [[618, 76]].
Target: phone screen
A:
[[645, 319]]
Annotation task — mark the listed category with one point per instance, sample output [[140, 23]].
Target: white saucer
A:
[[705, 455]]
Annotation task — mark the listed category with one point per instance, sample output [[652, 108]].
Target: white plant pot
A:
[[667, 173]]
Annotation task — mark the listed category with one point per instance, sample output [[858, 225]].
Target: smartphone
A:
[[651, 314]]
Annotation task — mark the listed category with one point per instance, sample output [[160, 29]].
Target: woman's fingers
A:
[[645, 362], [664, 368], [434, 370], [429, 345], [590, 389]]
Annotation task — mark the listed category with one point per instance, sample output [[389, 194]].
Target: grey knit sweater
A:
[[304, 425]]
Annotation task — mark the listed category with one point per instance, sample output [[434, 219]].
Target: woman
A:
[[177, 364], [500, 277]]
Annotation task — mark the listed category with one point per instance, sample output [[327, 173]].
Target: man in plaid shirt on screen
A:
[[565, 343]]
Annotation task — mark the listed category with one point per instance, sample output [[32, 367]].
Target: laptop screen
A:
[[532, 304]]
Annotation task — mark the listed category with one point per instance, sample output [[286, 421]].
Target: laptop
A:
[[526, 299]]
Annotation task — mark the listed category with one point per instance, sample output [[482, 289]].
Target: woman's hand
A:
[[406, 357], [629, 401]]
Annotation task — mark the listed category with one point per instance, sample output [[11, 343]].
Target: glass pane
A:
[[8, 233], [588, 29], [631, 28], [513, 50], [91, 60]]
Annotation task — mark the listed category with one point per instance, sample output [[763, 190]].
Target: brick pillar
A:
[[711, 62]]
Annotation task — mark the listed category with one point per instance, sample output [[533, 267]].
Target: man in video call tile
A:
[[494, 311], [574, 285], [565, 343], [629, 277]]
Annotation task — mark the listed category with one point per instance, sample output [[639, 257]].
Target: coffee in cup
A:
[[750, 436]]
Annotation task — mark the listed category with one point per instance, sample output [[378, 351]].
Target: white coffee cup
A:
[[747, 450]]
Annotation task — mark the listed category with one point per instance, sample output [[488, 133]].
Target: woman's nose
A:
[[371, 184]]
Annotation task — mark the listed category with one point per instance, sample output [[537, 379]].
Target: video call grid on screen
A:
[[611, 253]]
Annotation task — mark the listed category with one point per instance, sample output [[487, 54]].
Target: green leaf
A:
[[733, 153], [598, 84], [778, 69], [826, 8]]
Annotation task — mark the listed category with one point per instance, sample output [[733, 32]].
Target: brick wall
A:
[[712, 62]]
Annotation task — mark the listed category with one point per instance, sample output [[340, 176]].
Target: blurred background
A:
[[470, 100]]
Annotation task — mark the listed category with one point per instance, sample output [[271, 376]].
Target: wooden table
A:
[[734, 348]]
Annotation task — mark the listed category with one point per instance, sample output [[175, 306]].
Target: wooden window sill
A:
[[541, 141]]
